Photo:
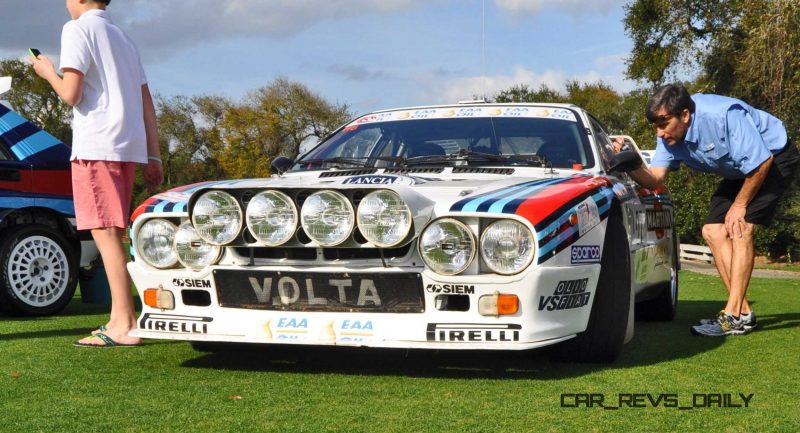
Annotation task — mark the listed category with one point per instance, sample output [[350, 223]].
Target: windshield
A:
[[534, 141]]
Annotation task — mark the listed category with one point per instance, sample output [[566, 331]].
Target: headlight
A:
[[507, 246], [154, 243], [193, 252], [217, 217], [447, 246], [271, 217], [327, 217], [383, 218]]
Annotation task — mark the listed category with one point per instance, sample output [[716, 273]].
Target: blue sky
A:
[[369, 54]]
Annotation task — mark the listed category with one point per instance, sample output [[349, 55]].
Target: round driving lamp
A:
[[153, 243], [217, 217], [507, 246], [384, 218], [327, 217], [447, 246], [271, 217]]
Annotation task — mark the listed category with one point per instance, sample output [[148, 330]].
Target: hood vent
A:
[[401, 170], [483, 170], [347, 172]]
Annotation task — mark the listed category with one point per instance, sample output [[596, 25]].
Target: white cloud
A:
[[572, 7], [441, 92], [181, 24]]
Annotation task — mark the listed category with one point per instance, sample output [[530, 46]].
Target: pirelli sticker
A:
[[473, 332]]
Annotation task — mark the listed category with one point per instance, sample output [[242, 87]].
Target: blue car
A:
[[41, 251]]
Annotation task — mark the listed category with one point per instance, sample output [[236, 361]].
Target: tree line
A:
[[749, 50]]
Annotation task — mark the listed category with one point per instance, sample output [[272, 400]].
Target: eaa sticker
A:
[[588, 216]]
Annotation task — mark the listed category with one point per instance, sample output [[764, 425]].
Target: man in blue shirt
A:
[[750, 150]]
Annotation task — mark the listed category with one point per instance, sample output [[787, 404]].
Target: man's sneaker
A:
[[725, 325], [748, 320]]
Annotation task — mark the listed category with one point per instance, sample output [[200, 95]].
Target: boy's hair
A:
[[105, 2], [673, 97]]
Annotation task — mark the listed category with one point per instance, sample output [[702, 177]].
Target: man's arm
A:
[[154, 171], [650, 178], [69, 88], [738, 210]]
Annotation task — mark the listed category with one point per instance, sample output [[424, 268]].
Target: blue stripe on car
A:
[[34, 144]]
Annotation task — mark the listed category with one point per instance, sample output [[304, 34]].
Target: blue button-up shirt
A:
[[726, 137]]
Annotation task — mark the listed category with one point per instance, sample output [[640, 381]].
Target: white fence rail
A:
[[696, 252]]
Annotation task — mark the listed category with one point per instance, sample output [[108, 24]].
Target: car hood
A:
[[537, 196]]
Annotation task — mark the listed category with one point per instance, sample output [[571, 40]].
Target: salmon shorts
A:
[[102, 192]]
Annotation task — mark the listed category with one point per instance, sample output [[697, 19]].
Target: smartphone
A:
[[34, 52]]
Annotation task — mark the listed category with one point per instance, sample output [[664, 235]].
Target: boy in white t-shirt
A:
[[114, 129]]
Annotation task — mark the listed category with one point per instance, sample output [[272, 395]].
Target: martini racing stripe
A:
[[10, 119], [601, 196], [548, 205], [23, 137], [482, 202], [560, 234], [19, 131], [511, 203]]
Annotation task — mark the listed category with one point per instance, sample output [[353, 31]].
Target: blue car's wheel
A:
[[38, 271]]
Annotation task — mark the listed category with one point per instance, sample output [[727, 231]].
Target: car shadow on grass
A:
[[653, 342], [70, 332]]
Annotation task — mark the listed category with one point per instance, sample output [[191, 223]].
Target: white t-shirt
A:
[[108, 121]]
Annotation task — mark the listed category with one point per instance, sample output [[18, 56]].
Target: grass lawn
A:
[[46, 385]]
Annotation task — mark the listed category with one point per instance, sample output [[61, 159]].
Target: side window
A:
[[603, 142]]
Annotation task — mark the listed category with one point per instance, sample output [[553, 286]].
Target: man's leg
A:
[[741, 269], [123, 315], [722, 248]]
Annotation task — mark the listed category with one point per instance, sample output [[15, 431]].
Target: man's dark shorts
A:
[[762, 208]]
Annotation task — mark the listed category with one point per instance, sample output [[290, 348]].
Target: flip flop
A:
[[102, 328], [107, 340]]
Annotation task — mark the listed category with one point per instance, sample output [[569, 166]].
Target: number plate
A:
[[305, 291]]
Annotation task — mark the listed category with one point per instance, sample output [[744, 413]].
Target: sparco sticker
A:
[[585, 254]]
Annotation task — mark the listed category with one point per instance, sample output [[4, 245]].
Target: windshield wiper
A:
[[473, 156], [357, 161]]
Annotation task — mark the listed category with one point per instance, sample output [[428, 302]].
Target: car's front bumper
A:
[[554, 305]]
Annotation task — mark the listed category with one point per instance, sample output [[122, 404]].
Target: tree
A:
[[599, 98], [745, 49], [33, 98], [523, 93], [273, 120]]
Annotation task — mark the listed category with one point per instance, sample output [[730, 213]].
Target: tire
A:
[[664, 306], [38, 271], [605, 333]]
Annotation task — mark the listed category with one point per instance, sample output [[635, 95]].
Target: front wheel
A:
[[39, 271], [605, 333]]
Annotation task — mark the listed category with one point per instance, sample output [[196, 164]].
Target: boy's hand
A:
[[153, 176], [43, 66]]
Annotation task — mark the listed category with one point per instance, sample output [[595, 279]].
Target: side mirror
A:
[[626, 161], [281, 164]]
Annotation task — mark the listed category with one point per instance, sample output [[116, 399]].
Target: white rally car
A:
[[473, 226]]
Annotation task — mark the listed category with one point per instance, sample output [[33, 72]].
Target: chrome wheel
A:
[[38, 271]]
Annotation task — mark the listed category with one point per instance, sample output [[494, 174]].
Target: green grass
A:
[[779, 266], [46, 385]]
